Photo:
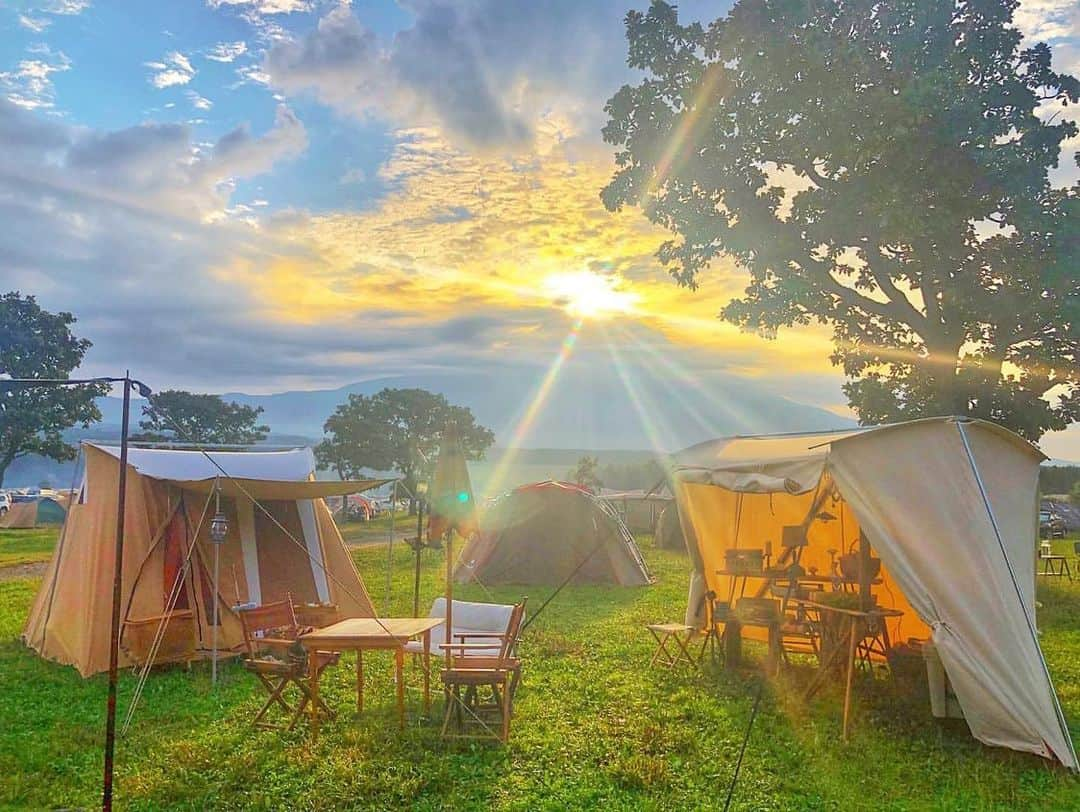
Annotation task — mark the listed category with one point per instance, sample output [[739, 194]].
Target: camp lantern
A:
[[219, 528]]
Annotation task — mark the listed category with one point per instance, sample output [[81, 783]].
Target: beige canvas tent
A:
[[542, 533], [44, 511], [949, 505], [286, 543]]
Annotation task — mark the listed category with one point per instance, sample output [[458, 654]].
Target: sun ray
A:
[[524, 425], [652, 430]]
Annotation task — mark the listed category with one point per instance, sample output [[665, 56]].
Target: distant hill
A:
[[586, 411]]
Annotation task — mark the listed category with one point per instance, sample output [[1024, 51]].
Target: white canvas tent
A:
[[948, 504]]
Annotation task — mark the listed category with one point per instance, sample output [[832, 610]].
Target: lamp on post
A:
[[219, 529], [421, 492]]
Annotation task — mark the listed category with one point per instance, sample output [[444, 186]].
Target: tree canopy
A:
[[174, 415], [882, 168], [586, 474], [35, 343], [398, 430]]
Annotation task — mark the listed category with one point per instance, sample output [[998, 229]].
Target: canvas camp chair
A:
[[277, 660], [467, 714]]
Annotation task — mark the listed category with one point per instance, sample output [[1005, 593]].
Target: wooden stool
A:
[[664, 632]]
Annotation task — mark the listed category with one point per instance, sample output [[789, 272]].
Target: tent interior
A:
[[542, 533], [948, 507], [281, 541]]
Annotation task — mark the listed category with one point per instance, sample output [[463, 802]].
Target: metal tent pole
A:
[[118, 571]]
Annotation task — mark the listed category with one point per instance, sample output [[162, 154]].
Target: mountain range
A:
[[583, 408]]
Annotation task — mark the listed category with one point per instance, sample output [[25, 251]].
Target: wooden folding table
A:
[[360, 633]]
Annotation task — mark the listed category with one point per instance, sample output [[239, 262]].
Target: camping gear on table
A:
[[937, 500], [540, 533], [280, 540]]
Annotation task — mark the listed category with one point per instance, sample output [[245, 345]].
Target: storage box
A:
[[744, 562]]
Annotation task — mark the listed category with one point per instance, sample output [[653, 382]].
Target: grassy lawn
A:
[[26, 546], [595, 728]]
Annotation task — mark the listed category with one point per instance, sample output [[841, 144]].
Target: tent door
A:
[[306, 509]]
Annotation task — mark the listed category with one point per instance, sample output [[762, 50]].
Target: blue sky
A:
[[253, 195]]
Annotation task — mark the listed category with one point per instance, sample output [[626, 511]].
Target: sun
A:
[[587, 294]]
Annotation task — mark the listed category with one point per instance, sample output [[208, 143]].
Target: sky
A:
[[260, 195]]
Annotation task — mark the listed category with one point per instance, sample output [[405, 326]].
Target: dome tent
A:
[[44, 511], [541, 533]]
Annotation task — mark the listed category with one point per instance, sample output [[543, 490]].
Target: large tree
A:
[[399, 430], [35, 343], [174, 415], [878, 167]]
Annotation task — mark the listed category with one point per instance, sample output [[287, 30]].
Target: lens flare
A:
[[524, 426]]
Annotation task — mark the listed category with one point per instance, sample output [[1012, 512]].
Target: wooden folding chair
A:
[[278, 661], [467, 715]]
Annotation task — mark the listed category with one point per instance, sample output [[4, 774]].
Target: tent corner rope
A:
[[1075, 766]]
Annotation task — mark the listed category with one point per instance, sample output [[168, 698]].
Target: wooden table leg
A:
[[399, 666], [359, 680], [427, 672], [313, 682], [850, 671]]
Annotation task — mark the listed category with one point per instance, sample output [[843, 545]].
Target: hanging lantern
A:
[[219, 528]]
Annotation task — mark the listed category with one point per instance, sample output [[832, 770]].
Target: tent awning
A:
[[259, 474], [281, 489]]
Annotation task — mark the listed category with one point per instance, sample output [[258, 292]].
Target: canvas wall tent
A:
[[538, 534], [44, 511], [948, 504], [287, 543]]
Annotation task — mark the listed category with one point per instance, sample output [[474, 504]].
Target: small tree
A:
[[878, 166], [396, 430], [37, 344], [587, 473], [174, 415]]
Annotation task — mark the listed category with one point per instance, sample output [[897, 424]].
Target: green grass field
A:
[[595, 728], [26, 546]]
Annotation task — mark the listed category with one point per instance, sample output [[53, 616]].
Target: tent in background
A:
[[538, 534], [286, 544], [948, 504], [44, 511], [639, 509]]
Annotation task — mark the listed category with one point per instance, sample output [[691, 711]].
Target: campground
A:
[[594, 725]]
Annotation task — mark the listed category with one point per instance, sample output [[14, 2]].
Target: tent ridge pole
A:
[[1019, 594]]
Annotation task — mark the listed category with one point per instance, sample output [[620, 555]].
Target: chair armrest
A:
[[463, 635], [466, 646]]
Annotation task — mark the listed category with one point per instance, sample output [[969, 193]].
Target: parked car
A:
[[5, 502], [1051, 525]]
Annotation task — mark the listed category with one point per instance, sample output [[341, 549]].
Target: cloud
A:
[[30, 85], [265, 7], [197, 101], [485, 73], [227, 51], [353, 175], [35, 24], [174, 69], [65, 7]]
